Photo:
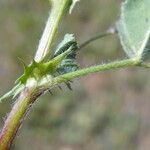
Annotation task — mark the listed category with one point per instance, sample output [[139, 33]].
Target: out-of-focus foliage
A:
[[108, 111]]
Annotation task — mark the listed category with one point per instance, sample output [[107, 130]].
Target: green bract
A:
[[62, 62], [134, 28]]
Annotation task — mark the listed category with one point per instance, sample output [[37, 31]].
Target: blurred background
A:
[[105, 111]]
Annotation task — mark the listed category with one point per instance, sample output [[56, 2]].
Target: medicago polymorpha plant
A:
[[49, 68]]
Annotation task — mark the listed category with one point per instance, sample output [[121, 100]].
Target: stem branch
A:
[[94, 69]]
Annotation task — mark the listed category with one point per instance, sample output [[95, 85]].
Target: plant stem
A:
[[94, 69], [110, 31], [16, 116], [99, 36], [46, 42]]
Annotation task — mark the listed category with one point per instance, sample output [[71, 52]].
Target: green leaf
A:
[[134, 28], [68, 41], [69, 63]]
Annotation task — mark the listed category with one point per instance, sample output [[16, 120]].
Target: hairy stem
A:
[[94, 69], [16, 116]]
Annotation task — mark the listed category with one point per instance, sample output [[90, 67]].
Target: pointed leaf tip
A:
[[14, 92]]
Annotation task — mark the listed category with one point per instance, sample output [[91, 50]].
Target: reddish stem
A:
[[16, 116]]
